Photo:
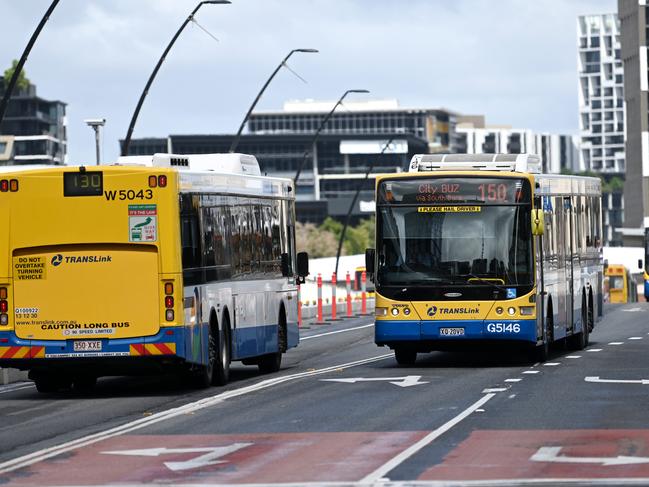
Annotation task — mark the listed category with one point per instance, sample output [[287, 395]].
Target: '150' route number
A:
[[130, 194]]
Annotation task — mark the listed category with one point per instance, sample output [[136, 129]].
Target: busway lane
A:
[[32, 421], [319, 426], [553, 423]]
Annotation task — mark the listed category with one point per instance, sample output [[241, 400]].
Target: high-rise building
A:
[[601, 94], [33, 130], [634, 24]]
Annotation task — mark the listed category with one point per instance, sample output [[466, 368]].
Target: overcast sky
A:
[[514, 61]]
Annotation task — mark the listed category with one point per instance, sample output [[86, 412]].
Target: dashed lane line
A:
[[573, 356], [513, 380], [531, 371], [551, 364], [616, 343], [635, 338], [594, 350]]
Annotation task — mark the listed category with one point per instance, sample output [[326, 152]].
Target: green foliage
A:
[[323, 241], [614, 184], [22, 83]]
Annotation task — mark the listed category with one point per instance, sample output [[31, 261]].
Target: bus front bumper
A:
[[388, 332]]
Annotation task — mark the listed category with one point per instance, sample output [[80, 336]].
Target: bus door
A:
[[569, 253]]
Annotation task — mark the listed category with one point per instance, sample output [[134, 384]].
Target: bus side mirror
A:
[[538, 222], [284, 264], [640, 266], [370, 255], [302, 267]]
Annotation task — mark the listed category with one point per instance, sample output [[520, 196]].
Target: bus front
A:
[[454, 261], [90, 279]]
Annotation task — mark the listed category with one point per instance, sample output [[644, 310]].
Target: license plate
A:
[[88, 346], [452, 332]]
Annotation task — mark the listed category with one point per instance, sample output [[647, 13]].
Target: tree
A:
[[22, 83]]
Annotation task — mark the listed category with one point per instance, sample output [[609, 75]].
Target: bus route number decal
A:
[[128, 194]]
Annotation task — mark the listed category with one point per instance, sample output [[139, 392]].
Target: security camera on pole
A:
[[96, 124]]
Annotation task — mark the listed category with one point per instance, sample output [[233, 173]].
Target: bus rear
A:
[[454, 262], [88, 272]]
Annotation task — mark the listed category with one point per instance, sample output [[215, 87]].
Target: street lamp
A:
[[317, 132], [353, 203], [235, 142], [19, 67], [96, 124], [127, 140]]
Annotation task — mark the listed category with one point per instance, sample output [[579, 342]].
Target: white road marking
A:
[[616, 381], [210, 455], [407, 381], [513, 380], [551, 364], [635, 338], [18, 386], [494, 389], [594, 350], [616, 343], [206, 402], [633, 310], [337, 331], [531, 371], [551, 454], [425, 441], [573, 356]]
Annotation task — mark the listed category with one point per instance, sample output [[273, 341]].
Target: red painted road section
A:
[[288, 457], [490, 455]]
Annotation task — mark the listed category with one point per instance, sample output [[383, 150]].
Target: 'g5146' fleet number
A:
[[504, 328]]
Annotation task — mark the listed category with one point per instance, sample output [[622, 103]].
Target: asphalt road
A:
[[342, 412]]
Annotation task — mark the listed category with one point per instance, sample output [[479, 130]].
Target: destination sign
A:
[[447, 190]]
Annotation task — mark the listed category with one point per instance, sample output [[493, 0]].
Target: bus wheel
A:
[[405, 356], [221, 373], [84, 383], [273, 361], [580, 340], [542, 352], [49, 384], [202, 375]]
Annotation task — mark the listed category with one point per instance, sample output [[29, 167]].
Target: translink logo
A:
[[58, 259]]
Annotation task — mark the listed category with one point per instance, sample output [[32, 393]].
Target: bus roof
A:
[[527, 163]]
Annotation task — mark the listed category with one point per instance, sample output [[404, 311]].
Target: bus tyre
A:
[[221, 369], [579, 341], [273, 361], [84, 384], [48, 384], [541, 352], [405, 356]]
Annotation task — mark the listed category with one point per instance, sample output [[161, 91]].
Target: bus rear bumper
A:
[[389, 332], [24, 354]]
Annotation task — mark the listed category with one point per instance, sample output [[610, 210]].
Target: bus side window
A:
[[190, 240]]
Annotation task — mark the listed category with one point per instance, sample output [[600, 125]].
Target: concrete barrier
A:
[[7, 376]]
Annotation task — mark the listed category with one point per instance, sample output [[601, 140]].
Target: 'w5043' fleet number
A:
[[128, 194]]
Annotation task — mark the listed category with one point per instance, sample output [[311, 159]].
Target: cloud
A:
[[512, 60]]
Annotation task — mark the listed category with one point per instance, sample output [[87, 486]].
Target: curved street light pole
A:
[[317, 133], [127, 139], [19, 67], [353, 203], [235, 142]]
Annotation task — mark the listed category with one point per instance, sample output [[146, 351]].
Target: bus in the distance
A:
[[621, 284], [646, 264], [483, 250], [156, 264]]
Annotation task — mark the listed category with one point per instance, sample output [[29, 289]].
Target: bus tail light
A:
[[169, 301], [169, 315], [169, 288], [4, 319], [4, 306], [162, 181], [13, 185], [153, 181], [4, 185], [3, 293]]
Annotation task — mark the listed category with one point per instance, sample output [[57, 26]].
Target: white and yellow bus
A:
[[482, 249], [172, 262]]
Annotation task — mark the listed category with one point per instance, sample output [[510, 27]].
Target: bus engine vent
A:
[[170, 160], [528, 163]]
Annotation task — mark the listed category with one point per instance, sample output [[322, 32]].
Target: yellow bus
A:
[[621, 285], [157, 263], [480, 250]]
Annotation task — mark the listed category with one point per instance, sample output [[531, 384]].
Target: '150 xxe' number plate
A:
[[87, 346], [451, 332]]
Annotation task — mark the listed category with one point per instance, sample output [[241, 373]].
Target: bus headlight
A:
[[380, 311], [499, 310], [395, 311], [406, 311], [511, 310]]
